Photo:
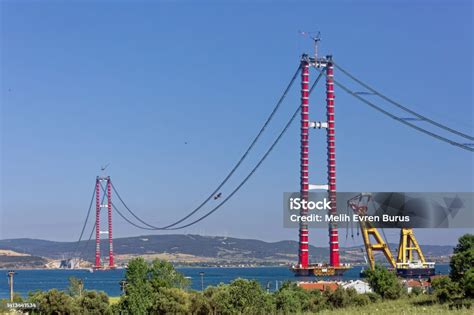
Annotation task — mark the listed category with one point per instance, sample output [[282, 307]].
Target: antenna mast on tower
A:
[[316, 38]]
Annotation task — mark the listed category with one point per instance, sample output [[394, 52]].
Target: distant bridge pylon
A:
[[99, 205]]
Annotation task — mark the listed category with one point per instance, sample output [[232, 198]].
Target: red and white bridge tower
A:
[[99, 205], [304, 268]]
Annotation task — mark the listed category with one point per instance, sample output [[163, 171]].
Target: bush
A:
[[145, 284], [384, 282], [75, 286], [445, 289], [361, 300], [292, 299], [171, 301], [3, 306], [463, 258], [93, 302], [468, 283], [138, 290], [317, 301], [373, 297], [218, 298], [248, 297], [53, 302], [339, 298], [199, 304], [415, 291], [351, 294], [163, 275]]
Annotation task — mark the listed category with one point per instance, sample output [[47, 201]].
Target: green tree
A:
[[373, 297], [53, 302], [384, 282], [137, 271], [75, 286], [171, 301], [145, 283], [340, 298], [219, 299], [241, 296], [138, 291], [463, 257], [415, 291], [468, 283], [361, 300], [445, 289], [248, 297], [292, 299], [93, 302], [199, 304], [163, 275], [317, 301]]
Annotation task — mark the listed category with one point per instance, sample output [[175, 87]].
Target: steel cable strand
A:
[[233, 192], [434, 135], [85, 222], [422, 117]]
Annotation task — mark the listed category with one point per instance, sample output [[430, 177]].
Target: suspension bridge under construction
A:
[[324, 67]]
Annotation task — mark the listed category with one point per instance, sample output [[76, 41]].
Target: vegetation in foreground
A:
[[157, 288], [423, 304]]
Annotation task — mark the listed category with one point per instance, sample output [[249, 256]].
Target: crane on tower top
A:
[[316, 38]]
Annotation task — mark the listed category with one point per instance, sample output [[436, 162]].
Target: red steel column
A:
[[304, 180], [97, 223], [331, 149], [109, 217]]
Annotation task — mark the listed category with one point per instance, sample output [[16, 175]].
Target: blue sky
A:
[[130, 83]]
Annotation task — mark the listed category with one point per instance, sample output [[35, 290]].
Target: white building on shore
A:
[[359, 285]]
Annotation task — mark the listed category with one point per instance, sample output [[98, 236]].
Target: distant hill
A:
[[11, 259], [200, 248]]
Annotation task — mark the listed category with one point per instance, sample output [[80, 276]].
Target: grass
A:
[[415, 305]]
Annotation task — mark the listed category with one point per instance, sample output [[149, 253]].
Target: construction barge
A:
[[320, 270]]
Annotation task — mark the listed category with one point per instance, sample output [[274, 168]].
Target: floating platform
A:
[[411, 273], [103, 268], [320, 270], [415, 269], [415, 272]]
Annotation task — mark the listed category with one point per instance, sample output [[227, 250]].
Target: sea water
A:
[[109, 281]]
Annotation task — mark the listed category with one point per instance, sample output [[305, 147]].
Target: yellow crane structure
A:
[[406, 265]]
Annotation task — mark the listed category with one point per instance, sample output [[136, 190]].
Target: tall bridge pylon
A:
[[304, 268], [99, 205]]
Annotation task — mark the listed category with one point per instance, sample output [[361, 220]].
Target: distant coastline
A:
[[183, 251]]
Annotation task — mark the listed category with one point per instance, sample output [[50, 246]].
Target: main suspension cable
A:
[[87, 242], [238, 187], [85, 221], [150, 227], [246, 178], [421, 117], [93, 228], [239, 162], [401, 120]]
